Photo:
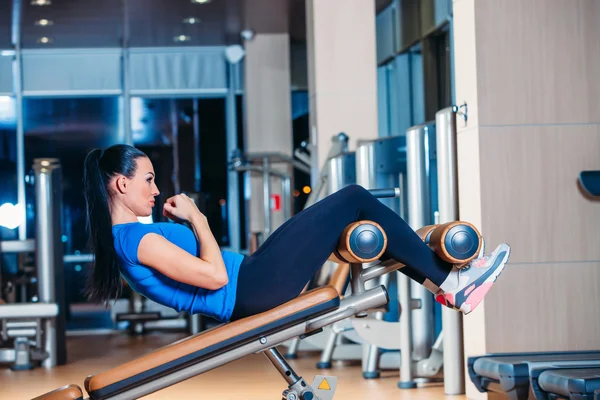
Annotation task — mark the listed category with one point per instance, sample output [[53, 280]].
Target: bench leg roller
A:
[[425, 232], [457, 242]]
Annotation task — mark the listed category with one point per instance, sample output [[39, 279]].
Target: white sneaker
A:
[[466, 287]]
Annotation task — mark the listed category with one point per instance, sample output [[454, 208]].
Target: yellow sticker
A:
[[324, 385]]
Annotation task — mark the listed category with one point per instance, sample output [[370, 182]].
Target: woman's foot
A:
[[465, 287]]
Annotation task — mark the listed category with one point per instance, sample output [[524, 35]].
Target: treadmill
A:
[[509, 374], [573, 383]]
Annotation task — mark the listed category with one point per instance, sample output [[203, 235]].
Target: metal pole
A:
[[454, 374], [266, 198], [282, 366], [423, 321], [339, 145], [126, 98], [247, 182], [365, 166], [175, 144], [18, 88], [341, 171], [286, 197], [233, 200], [45, 250], [419, 211], [197, 169], [418, 193], [406, 376]]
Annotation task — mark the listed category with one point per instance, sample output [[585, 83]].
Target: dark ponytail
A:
[[104, 282]]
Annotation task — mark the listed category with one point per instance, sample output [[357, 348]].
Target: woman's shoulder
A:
[[165, 229], [152, 227]]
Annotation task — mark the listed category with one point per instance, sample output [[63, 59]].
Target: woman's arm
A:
[[209, 248], [172, 261], [207, 270]]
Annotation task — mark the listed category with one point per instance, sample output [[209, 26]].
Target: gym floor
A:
[[252, 377]]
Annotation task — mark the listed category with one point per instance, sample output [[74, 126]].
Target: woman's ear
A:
[[121, 184]]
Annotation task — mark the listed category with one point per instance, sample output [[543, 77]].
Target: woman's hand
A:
[[182, 208]]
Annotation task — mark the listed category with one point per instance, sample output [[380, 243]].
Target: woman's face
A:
[[141, 189]]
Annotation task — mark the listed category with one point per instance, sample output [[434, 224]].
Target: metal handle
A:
[[390, 192]]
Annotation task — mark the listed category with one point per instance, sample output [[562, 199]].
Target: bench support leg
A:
[[298, 388]]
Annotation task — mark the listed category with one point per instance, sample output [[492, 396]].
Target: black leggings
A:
[[280, 269]]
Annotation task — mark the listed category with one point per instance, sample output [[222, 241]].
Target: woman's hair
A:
[[104, 281]]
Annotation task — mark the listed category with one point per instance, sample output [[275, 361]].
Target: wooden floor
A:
[[252, 377]]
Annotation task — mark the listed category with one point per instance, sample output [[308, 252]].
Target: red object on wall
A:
[[275, 202]]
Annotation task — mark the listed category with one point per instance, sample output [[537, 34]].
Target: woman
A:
[[185, 269]]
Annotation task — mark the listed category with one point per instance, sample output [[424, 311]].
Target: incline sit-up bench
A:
[[361, 242]]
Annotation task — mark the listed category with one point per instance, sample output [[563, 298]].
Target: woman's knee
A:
[[355, 190]]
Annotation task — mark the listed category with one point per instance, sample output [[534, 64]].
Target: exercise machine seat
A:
[[69, 392], [210, 343], [577, 382], [510, 373]]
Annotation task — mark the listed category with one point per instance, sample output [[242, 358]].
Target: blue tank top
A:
[[147, 281]]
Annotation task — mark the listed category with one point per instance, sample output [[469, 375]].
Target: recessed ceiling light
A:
[[182, 38], [44, 22], [192, 21], [201, 1], [44, 40], [41, 2]]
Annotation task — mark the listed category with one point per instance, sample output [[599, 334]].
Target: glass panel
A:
[[77, 72], [154, 133], [417, 87], [437, 67], [176, 70], [444, 68], [68, 129], [8, 192], [382, 101], [428, 10], [400, 116], [300, 128], [68, 24], [409, 23], [6, 75], [385, 35]]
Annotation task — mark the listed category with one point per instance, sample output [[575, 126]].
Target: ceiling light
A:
[[201, 1], [44, 40], [182, 38], [192, 20], [41, 2], [44, 22]]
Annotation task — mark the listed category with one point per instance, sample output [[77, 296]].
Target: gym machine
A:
[[514, 375], [398, 161], [37, 328], [303, 316], [267, 166], [338, 172], [423, 165], [339, 147]]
